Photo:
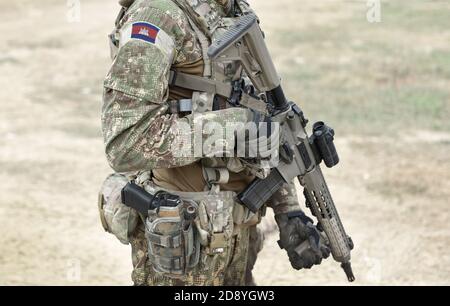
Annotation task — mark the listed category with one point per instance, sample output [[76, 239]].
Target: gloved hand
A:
[[259, 138], [302, 240]]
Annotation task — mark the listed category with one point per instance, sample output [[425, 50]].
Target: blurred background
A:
[[378, 72]]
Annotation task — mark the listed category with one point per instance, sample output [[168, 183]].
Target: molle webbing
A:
[[193, 16], [165, 240], [173, 263]]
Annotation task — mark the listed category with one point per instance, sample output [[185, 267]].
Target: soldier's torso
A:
[[226, 223], [207, 20]]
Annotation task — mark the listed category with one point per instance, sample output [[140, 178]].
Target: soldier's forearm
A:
[[142, 136], [284, 200]]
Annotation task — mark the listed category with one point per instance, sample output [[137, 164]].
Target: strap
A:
[[216, 175], [188, 242], [122, 12], [198, 83], [172, 263], [201, 84], [204, 43], [165, 240], [253, 103]]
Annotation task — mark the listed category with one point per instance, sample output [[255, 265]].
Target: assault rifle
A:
[[300, 155]]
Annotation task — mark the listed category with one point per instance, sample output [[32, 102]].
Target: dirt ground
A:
[[385, 88]]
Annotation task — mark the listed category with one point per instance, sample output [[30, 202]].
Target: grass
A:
[[372, 78], [418, 16]]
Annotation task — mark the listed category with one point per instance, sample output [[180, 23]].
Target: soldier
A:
[[157, 89]]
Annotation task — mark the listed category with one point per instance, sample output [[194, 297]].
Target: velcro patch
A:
[[148, 33], [144, 31]]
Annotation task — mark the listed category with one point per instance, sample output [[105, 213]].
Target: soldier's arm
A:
[[138, 133], [284, 200]]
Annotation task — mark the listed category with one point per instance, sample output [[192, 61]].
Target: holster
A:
[[192, 234]]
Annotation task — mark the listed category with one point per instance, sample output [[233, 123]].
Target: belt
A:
[[241, 215]]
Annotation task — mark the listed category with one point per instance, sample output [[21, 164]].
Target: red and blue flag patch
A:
[[144, 31]]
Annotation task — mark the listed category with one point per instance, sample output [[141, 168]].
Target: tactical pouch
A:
[[116, 218], [195, 238], [173, 245], [216, 219], [218, 222]]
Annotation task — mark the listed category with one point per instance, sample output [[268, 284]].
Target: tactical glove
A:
[[302, 240]]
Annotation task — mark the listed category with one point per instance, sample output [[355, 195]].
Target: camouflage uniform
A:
[[139, 130]]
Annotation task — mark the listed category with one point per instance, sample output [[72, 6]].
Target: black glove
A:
[[302, 240]]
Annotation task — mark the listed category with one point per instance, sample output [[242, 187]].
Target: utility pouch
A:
[[173, 246], [216, 218], [206, 226]]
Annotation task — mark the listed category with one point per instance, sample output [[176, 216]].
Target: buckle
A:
[[185, 106], [173, 77], [236, 94]]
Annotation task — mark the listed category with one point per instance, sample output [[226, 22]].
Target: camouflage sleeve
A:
[[138, 133], [157, 140], [284, 200]]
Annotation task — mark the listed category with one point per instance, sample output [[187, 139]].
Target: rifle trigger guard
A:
[[236, 93]]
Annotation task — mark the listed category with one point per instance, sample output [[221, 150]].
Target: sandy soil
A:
[[392, 193]]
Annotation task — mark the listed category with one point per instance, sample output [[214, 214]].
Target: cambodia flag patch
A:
[[144, 31]]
